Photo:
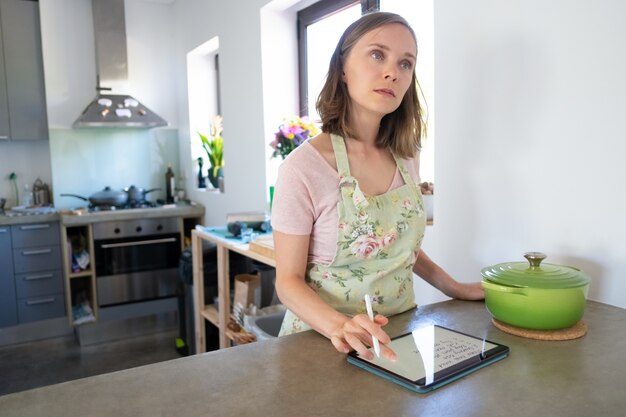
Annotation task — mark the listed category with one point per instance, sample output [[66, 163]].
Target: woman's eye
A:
[[377, 55], [406, 65]]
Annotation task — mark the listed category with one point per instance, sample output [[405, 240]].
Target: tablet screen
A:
[[430, 350]]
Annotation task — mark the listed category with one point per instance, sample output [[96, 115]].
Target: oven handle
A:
[[138, 243]]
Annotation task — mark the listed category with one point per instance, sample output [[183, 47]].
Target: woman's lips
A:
[[385, 92]]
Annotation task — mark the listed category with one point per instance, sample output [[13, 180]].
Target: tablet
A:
[[432, 356]]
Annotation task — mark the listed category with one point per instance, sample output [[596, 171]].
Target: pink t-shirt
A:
[[306, 196]]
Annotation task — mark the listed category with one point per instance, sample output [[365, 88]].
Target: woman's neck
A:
[[366, 129]]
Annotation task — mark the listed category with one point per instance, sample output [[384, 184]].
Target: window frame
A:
[[312, 14]]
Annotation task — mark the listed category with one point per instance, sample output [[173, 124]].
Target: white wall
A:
[[238, 26], [530, 102]]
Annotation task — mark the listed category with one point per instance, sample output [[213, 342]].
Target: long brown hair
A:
[[403, 129]]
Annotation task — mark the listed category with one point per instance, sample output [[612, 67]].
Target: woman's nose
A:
[[391, 73]]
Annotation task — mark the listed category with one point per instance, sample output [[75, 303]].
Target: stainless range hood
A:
[[113, 110]]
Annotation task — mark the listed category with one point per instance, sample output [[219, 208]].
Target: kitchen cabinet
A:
[[38, 279], [8, 308], [23, 113]]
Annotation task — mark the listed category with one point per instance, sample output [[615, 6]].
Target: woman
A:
[[347, 214]]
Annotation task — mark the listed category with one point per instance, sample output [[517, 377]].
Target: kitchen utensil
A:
[[3, 201], [106, 197], [535, 296], [41, 193], [138, 195]]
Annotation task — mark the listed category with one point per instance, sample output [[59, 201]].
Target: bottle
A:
[[27, 196], [169, 185]]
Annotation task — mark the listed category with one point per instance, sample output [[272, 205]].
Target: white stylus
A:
[[370, 313]]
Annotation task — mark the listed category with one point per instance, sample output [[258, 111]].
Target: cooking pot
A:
[[106, 197], [136, 194], [535, 296]]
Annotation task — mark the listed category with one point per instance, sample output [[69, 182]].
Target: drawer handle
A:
[[35, 226], [138, 243], [3, 230], [40, 301], [36, 252], [36, 277], [4, 137]]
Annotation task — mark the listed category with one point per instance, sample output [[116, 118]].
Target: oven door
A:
[[137, 268]]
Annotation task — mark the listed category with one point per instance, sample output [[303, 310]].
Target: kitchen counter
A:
[[302, 374], [29, 218], [178, 210]]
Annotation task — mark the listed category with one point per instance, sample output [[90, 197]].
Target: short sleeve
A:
[[292, 206]]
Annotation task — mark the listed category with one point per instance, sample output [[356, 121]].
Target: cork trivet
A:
[[574, 332]]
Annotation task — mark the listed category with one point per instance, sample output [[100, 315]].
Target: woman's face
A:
[[379, 69]]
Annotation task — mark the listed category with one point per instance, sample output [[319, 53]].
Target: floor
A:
[[51, 361]]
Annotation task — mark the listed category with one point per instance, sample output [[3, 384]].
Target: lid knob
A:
[[535, 258]]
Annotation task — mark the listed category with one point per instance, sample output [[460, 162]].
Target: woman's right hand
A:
[[356, 334]]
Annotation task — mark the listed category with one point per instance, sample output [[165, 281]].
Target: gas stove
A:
[[92, 208]]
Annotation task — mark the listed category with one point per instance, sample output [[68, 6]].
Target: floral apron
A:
[[378, 238]]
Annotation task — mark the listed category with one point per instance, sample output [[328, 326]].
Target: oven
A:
[[136, 260]]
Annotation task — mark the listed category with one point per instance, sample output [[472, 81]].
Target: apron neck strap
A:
[[341, 155]]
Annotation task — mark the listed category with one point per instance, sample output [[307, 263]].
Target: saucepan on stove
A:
[[533, 295], [106, 197], [136, 194]]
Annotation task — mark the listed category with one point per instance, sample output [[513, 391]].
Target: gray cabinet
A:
[[31, 276], [4, 104], [8, 309], [22, 91]]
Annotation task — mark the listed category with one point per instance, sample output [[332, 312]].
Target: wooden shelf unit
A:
[[85, 280], [218, 317]]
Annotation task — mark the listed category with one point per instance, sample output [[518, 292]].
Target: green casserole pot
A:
[[541, 297]]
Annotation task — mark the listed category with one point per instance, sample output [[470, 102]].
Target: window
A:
[[320, 26], [203, 93]]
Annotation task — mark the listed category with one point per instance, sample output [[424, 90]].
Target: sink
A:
[[266, 327]]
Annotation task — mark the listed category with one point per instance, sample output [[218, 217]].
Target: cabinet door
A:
[[23, 61], [8, 308]]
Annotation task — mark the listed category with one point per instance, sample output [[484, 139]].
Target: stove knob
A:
[[138, 229], [117, 231], [159, 228]]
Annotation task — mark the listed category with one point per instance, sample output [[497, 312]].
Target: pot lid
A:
[[533, 275]]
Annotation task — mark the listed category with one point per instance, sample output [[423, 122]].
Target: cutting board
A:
[[263, 245]]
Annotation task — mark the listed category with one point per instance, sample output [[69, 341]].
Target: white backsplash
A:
[[84, 161], [29, 160]]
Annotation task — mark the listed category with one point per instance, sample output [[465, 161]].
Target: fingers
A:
[[356, 334]]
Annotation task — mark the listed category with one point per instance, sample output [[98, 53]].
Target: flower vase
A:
[[214, 179], [201, 181]]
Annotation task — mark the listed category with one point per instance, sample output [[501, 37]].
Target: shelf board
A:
[[210, 313], [81, 274]]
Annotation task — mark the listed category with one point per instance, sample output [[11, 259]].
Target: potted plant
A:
[[214, 147]]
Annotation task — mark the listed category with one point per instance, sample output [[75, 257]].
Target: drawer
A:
[[35, 234], [40, 308], [35, 284], [42, 258]]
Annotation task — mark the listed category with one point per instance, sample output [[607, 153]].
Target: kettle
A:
[[41, 193]]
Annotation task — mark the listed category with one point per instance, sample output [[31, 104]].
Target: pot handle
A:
[[503, 288], [74, 195], [535, 258]]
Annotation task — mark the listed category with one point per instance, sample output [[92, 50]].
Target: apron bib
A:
[[378, 238]]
